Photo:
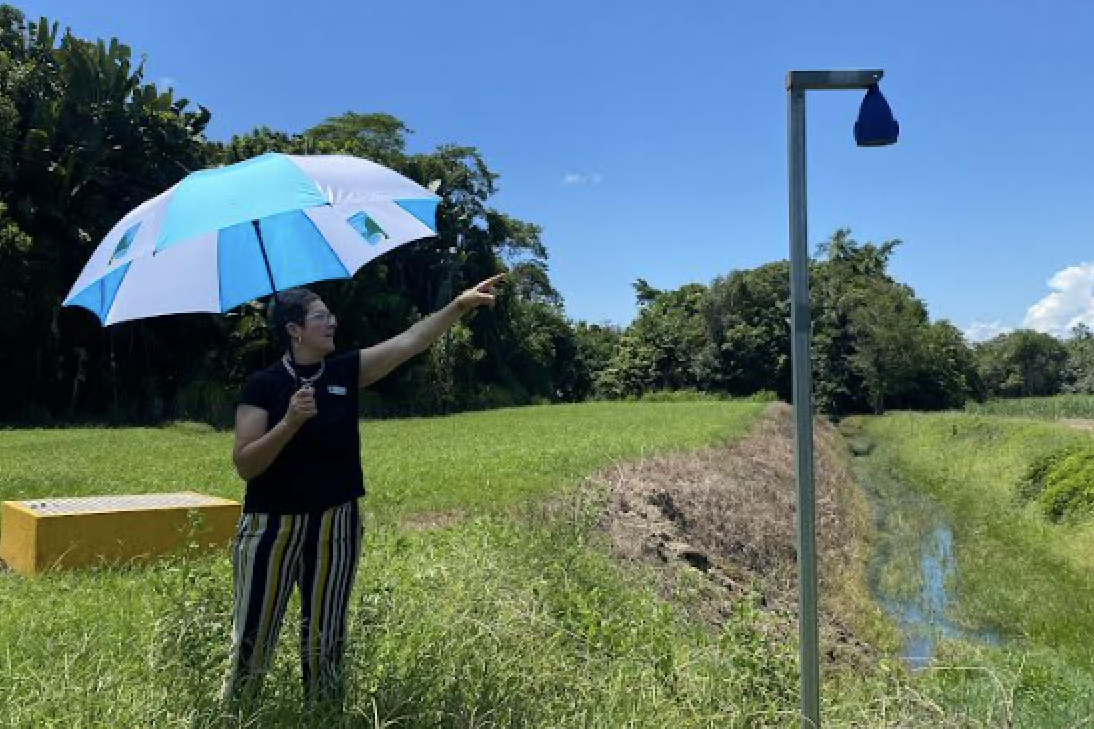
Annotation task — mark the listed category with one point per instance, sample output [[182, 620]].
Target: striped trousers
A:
[[272, 554]]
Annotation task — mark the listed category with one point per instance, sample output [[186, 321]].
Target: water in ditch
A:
[[912, 568]]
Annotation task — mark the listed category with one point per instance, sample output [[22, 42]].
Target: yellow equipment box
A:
[[41, 534]]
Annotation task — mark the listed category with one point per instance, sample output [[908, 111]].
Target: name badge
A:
[[336, 389]]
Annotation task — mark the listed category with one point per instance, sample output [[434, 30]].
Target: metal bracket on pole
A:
[[806, 80]]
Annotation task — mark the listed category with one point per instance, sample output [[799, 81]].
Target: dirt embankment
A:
[[729, 515]]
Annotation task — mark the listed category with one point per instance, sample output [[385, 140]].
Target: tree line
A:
[[84, 138], [874, 345]]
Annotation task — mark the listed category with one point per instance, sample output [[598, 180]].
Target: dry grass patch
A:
[[719, 526]]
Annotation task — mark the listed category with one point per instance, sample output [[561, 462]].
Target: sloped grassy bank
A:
[[1018, 573]]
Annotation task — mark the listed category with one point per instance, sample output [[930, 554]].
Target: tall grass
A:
[[1039, 408], [492, 623], [145, 647], [514, 619]]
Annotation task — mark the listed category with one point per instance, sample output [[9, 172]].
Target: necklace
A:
[[305, 381]]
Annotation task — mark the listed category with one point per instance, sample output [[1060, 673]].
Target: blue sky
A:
[[648, 138]]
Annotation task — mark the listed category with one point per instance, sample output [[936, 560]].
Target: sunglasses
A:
[[324, 317]]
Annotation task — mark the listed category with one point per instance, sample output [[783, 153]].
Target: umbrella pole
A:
[[273, 286]]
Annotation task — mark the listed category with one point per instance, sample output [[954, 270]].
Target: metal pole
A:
[[800, 324], [797, 82]]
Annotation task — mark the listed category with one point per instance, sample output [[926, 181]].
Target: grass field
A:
[[511, 614], [470, 462], [492, 622], [1028, 580]]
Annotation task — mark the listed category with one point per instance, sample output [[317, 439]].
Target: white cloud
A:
[[577, 178], [980, 331], [166, 82], [1071, 303]]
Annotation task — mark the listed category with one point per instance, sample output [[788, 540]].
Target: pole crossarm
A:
[[857, 79]]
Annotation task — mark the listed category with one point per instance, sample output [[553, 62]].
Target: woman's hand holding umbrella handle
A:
[[301, 407]]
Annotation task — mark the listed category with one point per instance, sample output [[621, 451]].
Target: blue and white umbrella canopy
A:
[[196, 247]]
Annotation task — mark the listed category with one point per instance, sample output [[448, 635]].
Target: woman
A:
[[298, 448]]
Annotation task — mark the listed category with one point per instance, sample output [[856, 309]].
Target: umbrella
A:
[[225, 236]]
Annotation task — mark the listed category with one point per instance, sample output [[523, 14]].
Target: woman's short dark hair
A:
[[289, 306]]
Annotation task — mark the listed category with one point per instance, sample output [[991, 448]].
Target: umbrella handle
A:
[[273, 286]]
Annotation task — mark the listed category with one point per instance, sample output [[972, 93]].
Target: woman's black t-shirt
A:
[[320, 466]]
